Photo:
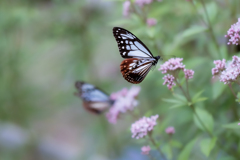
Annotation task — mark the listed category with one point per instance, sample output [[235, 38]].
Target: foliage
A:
[[47, 45]]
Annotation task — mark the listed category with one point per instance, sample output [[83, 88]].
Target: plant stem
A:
[[230, 86], [195, 9], [234, 109], [210, 28], [230, 152], [157, 147], [180, 86], [187, 88]]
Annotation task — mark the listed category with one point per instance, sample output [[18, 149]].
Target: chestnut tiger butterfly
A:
[[94, 99], [138, 58]]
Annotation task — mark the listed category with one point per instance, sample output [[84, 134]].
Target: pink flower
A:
[[170, 130], [169, 80], [220, 66], [118, 94], [151, 22], [125, 100], [172, 64], [228, 72], [188, 73], [233, 33], [145, 150], [141, 3], [144, 125], [239, 124], [126, 8]]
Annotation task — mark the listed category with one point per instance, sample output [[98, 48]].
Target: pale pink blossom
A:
[[125, 100], [145, 150], [188, 73], [169, 80], [219, 66], [151, 22], [121, 93], [229, 72], [141, 3], [144, 125], [172, 64], [170, 130], [126, 8], [233, 33], [239, 124]]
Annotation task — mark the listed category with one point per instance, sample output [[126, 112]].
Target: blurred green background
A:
[[46, 45]]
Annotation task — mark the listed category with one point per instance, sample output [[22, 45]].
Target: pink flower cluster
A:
[[144, 125], [146, 150], [227, 72], [141, 3], [170, 130], [171, 66], [125, 100], [220, 66], [233, 33], [168, 79], [151, 22], [126, 8], [188, 73]]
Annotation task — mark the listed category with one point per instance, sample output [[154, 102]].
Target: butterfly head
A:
[[156, 60]]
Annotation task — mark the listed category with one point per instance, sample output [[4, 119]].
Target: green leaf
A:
[[184, 155], [231, 126], [200, 99], [171, 100], [205, 117], [211, 11], [238, 97], [197, 98], [179, 101], [207, 145], [183, 38], [197, 95], [178, 105], [217, 89], [180, 97]]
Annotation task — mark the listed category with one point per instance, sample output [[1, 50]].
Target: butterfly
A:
[[94, 99], [138, 58]]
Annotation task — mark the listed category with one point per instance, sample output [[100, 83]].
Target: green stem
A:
[[187, 89], [195, 9], [230, 86], [180, 86], [230, 152], [211, 28], [157, 147]]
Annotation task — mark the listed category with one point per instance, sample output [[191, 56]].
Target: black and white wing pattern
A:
[[94, 99], [129, 45], [138, 58]]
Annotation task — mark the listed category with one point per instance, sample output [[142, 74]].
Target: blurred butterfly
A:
[[94, 99], [138, 58]]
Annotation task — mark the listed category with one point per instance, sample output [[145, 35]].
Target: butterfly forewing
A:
[[94, 99], [129, 45], [134, 70]]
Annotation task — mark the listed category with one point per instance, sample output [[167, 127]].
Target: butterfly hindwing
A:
[[134, 70], [129, 45], [94, 99]]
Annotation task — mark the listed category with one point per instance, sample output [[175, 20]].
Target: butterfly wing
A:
[[129, 45], [134, 70], [94, 99]]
